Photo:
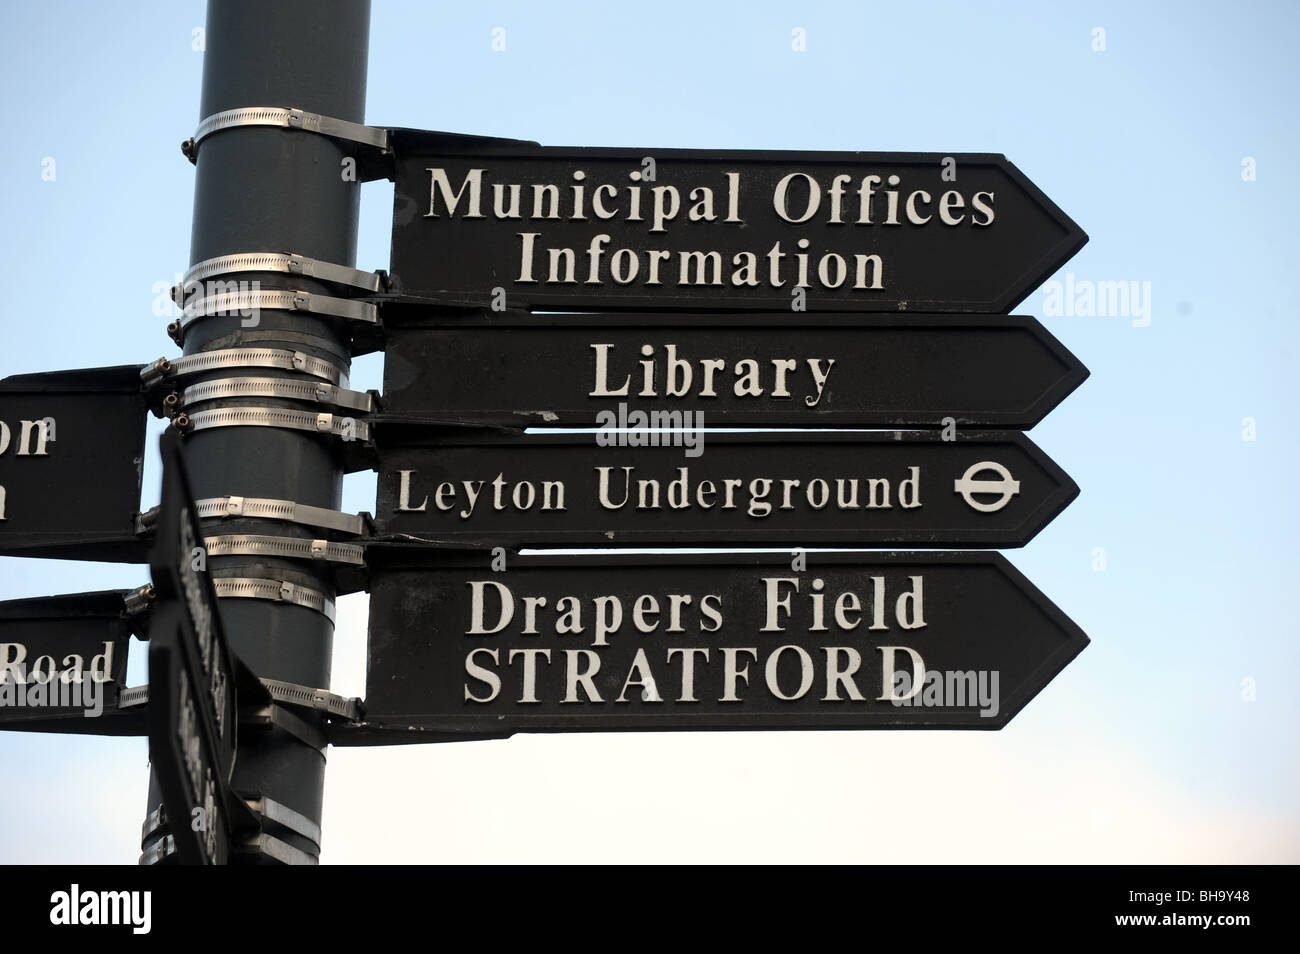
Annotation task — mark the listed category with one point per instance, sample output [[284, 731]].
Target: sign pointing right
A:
[[482, 221], [723, 641], [734, 370], [852, 489]]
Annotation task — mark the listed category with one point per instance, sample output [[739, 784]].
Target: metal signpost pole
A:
[[263, 189]]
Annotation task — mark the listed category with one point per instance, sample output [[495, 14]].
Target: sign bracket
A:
[[225, 304], [265, 508], [287, 388], [288, 262], [273, 811], [165, 369], [159, 852], [344, 557], [372, 139], [281, 718], [264, 845], [282, 591], [353, 434], [321, 700]]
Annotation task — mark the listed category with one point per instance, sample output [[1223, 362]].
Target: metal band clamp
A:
[[319, 699], [296, 822], [160, 849], [245, 303], [132, 696], [253, 544], [287, 510], [288, 262], [347, 428], [285, 693], [153, 821], [167, 368], [285, 118], [289, 388], [268, 846], [281, 591], [138, 600], [280, 717]]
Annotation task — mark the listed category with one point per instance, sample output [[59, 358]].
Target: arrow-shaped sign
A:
[[748, 370], [994, 489], [735, 641], [501, 225]]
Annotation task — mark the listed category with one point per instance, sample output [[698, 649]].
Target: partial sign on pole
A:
[[513, 225], [704, 642], [741, 371], [62, 664], [71, 459], [994, 489], [193, 708]]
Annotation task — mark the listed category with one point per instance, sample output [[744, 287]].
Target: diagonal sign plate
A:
[[994, 489], [704, 642], [516, 225], [192, 681], [71, 459], [744, 371]]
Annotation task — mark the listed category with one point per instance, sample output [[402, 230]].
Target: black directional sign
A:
[[724, 371], [487, 224], [62, 663], [993, 489], [192, 682], [734, 641], [71, 458]]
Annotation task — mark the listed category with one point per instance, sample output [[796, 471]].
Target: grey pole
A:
[[262, 189]]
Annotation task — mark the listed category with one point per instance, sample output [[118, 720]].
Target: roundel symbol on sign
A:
[[968, 486]]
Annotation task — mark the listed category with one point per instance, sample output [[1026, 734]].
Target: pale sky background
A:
[[1142, 750]]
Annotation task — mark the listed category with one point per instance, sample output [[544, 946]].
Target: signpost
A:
[[71, 458], [734, 641], [752, 370], [494, 224], [722, 489], [63, 661], [698, 289], [192, 683]]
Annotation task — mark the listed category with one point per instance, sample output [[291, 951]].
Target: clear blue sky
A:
[[1142, 750]]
